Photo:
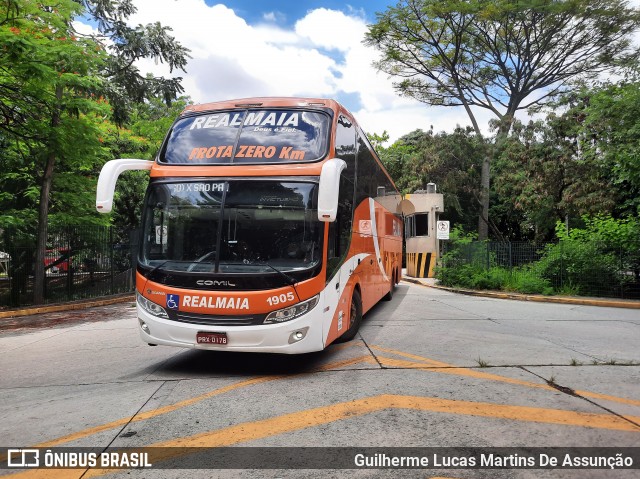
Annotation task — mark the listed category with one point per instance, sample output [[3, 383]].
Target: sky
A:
[[250, 48]]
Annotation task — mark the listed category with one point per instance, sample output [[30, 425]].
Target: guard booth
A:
[[421, 211]]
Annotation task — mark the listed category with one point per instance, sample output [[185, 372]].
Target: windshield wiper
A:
[[156, 268], [290, 279]]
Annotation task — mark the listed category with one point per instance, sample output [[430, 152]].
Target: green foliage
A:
[[126, 85], [378, 141], [502, 57], [49, 114], [476, 276], [451, 160], [542, 176], [591, 257], [598, 259], [611, 135], [526, 280], [583, 266], [149, 123], [613, 234], [493, 278], [456, 267], [494, 55], [59, 92]]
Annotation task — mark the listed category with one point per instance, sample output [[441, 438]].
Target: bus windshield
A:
[[248, 136], [238, 226]]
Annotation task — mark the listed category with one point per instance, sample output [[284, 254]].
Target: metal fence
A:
[[585, 269], [80, 262]]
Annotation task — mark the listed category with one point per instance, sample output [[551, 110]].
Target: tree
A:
[[53, 84], [542, 177], [45, 76], [126, 85], [610, 135], [501, 57], [451, 160], [148, 125], [378, 141]]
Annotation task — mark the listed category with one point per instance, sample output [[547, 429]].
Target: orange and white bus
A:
[[269, 225]]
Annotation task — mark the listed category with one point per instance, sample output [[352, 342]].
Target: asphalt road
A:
[[429, 369]]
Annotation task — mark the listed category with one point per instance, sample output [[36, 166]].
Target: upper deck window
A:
[[248, 136]]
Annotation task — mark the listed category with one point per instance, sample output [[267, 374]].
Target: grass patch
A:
[[482, 363]]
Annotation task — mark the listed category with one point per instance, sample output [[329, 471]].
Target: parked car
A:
[[57, 260]]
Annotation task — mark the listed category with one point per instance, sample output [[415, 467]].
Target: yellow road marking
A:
[[254, 430], [155, 412], [430, 364], [188, 402], [327, 414], [251, 431], [632, 402], [400, 363]]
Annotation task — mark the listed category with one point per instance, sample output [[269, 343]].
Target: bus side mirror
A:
[[107, 180], [329, 189]]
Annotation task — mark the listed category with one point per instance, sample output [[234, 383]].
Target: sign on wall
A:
[[442, 230]]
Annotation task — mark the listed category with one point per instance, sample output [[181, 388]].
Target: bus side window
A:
[[340, 229]]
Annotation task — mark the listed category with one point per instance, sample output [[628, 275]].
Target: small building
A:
[[421, 211]]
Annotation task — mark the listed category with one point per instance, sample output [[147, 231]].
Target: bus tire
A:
[[355, 318], [392, 286]]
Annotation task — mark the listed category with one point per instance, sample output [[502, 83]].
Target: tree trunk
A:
[[485, 183], [485, 179], [43, 210], [485, 175]]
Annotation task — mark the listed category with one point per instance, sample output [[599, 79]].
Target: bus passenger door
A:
[[335, 307], [333, 304]]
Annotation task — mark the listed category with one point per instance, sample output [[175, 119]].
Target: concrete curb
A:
[[582, 301], [54, 308], [609, 303]]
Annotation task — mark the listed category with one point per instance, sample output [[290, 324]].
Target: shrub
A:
[[493, 278], [603, 258], [583, 265], [526, 280]]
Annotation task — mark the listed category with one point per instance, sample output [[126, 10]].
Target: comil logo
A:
[[23, 458], [208, 282]]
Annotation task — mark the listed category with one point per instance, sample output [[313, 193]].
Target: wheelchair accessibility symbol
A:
[[173, 301]]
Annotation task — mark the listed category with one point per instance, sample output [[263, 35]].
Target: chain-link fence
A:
[[585, 269], [80, 262]]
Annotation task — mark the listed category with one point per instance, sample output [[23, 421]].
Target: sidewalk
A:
[[576, 300], [73, 305], [8, 321]]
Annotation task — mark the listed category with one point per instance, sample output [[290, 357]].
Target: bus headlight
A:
[[292, 312], [151, 307]]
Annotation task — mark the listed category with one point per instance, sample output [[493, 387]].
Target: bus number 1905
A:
[[282, 298]]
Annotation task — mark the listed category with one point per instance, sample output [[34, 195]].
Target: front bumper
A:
[[266, 338]]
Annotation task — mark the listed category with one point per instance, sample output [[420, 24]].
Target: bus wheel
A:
[[355, 318], [392, 286]]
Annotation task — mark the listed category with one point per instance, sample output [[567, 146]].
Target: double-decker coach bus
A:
[[269, 225]]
